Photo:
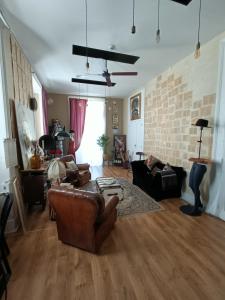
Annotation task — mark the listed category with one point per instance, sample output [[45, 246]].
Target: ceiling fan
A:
[[105, 75], [184, 2]]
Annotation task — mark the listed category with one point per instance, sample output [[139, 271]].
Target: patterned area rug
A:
[[134, 201]]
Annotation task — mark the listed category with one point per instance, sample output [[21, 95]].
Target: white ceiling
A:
[[46, 31]]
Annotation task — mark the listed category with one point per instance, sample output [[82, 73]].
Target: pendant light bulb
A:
[[87, 65], [158, 30], [197, 50], [198, 46], [158, 35], [133, 29]]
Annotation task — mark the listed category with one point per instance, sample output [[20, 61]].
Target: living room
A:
[[139, 213]]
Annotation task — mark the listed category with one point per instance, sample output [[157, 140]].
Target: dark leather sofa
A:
[[152, 185], [83, 218]]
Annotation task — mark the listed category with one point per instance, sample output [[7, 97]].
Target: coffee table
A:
[[108, 187]]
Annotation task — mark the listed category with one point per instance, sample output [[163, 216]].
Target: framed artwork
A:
[[115, 121], [119, 148], [135, 107]]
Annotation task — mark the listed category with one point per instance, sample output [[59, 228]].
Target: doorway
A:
[[95, 126]]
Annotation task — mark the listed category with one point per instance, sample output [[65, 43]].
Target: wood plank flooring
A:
[[162, 255]]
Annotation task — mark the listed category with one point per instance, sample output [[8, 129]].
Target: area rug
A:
[[134, 201]]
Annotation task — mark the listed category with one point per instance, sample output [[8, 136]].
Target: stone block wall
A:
[[170, 109]]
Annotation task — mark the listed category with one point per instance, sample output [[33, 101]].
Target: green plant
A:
[[102, 142]]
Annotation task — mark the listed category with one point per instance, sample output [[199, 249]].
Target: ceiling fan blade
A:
[[107, 55], [87, 81], [124, 73], [184, 2], [87, 74]]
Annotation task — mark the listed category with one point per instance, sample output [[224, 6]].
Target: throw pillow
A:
[[168, 168], [151, 161], [71, 165]]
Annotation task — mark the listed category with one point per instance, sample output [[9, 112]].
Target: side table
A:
[[34, 185]]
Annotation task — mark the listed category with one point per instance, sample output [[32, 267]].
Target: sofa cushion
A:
[[71, 165]]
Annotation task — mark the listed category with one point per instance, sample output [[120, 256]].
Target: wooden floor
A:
[[161, 255]]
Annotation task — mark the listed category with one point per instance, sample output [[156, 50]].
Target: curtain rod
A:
[[85, 96]]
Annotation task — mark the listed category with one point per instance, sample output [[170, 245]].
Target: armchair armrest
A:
[[110, 205], [83, 167], [71, 174]]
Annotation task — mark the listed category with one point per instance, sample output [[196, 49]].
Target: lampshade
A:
[[201, 123], [56, 170]]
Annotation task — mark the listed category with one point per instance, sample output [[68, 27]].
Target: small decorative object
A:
[[35, 160], [135, 107], [102, 142]]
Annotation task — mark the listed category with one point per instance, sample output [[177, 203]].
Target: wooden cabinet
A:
[[34, 184]]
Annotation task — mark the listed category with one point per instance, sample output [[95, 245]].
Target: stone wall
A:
[[170, 109], [175, 100]]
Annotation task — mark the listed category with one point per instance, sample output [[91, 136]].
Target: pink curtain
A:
[[45, 110], [77, 119]]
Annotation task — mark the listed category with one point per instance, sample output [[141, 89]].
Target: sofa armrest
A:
[[110, 205], [82, 167]]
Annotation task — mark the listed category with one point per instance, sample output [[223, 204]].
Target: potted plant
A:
[[102, 142]]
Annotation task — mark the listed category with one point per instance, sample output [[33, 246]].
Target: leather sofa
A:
[[152, 184], [83, 218], [77, 177]]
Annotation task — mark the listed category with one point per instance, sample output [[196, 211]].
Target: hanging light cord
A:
[[158, 30], [86, 33], [199, 20], [158, 13], [133, 28]]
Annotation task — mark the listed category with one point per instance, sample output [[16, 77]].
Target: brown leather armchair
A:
[[83, 218], [79, 177]]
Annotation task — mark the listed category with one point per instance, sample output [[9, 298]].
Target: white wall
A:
[[4, 172], [216, 205], [135, 128]]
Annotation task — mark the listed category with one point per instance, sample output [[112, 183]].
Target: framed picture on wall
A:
[[135, 107], [119, 148]]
